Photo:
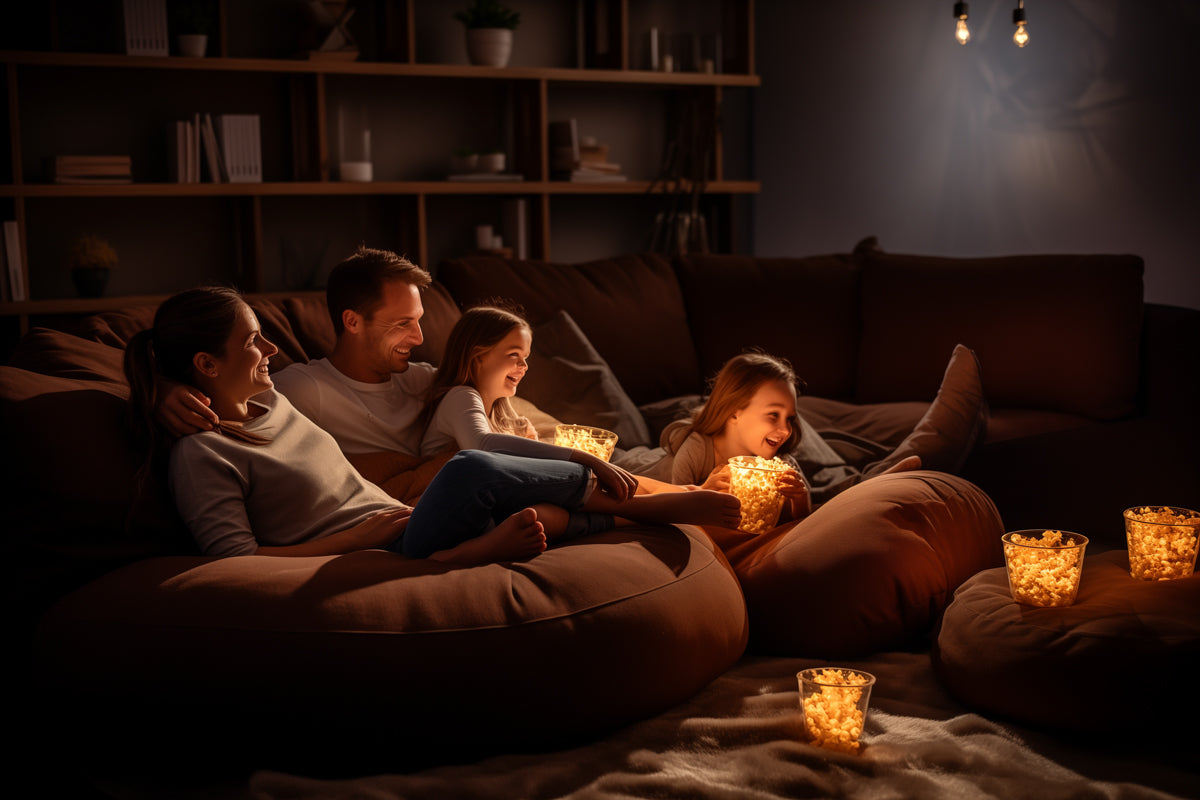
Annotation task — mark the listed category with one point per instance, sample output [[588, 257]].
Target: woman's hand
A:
[[376, 532], [718, 479], [379, 530], [618, 482], [183, 410]]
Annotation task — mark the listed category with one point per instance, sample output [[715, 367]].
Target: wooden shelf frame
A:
[[606, 64]]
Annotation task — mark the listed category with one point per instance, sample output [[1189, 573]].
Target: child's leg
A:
[[476, 491], [699, 507]]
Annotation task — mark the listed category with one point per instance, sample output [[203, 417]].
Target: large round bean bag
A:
[[371, 655], [1123, 656], [869, 570]]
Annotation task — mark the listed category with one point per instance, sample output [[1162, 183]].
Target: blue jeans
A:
[[476, 490]]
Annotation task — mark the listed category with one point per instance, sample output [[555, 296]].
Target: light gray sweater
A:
[[235, 496]]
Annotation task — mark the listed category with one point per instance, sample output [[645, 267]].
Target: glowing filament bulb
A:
[[961, 32], [1021, 37]]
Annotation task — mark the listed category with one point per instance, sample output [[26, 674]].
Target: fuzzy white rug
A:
[[742, 738]]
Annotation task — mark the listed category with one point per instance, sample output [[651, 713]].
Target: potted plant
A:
[[490, 27], [194, 20], [91, 260]]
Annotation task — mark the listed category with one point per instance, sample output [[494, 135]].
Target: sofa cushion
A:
[[568, 379], [372, 651], [1052, 332], [76, 490], [869, 570], [64, 355], [803, 309], [629, 307], [1120, 658]]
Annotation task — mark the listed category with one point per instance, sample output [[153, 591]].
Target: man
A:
[[367, 393]]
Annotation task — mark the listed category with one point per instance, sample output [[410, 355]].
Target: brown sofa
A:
[[329, 653], [1090, 391]]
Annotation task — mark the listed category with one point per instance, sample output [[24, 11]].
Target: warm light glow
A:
[[961, 32], [1021, 37]]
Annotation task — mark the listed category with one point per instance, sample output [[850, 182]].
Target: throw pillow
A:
[[570, 381], [953, 423]]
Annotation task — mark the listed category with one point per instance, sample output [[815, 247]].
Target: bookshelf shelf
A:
[[277, 235]]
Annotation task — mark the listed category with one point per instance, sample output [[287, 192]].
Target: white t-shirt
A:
[[235, 496], [461, 423], [361, 417]]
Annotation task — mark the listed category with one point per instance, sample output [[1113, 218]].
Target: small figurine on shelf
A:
[[91, 260], [490, 27]]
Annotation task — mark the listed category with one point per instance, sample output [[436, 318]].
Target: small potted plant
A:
[[194, 22], [490, 27], [91, 260]]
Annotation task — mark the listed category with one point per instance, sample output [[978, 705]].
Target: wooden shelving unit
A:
[[242, 232]]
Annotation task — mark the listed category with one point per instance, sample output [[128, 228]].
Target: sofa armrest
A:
[[1170, 381]]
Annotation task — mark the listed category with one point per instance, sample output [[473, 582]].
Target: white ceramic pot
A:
[[193, 45], [491, 162], [489, 47]]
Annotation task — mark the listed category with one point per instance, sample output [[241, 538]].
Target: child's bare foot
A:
[[517, 538], [904, 465]]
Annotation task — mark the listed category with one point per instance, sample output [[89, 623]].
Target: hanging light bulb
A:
[[1021, 37], [961, 32]]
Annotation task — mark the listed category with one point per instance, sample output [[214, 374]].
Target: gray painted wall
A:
[[872, 120]]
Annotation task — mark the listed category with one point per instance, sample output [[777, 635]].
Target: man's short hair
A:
[[357, 283]]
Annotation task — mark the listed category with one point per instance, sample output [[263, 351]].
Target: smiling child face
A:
[[499, 370], [762, 426]]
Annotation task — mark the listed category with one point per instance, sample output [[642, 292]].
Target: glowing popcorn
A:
[[1044, 566], [754, 481], [596, 441], [1162, 542], [834, 702]]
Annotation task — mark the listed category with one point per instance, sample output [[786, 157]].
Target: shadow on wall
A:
[[1080, 142]]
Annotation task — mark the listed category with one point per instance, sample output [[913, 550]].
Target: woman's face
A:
[[499, 370], [764, 425], [241, 372]]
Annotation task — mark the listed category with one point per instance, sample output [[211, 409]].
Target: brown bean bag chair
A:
[[1124, 655], [870, 570]]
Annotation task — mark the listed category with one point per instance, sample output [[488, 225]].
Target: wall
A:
[[872, 120]]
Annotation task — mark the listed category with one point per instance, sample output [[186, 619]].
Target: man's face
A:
[[393, 329]]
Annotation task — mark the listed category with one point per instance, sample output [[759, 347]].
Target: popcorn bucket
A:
[[596, 441], [1044, 566], [1162, 541], [834, 703], [753, 481]]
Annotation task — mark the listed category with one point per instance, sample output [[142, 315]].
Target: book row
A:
[[228, 146]]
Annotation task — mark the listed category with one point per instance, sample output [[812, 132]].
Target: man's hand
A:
[[184, 410]]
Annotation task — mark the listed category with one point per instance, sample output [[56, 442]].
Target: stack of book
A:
[[229, 146], [594, 164], [91, 169], [572, 161]]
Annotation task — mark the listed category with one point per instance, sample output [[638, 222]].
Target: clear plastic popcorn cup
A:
[[1044, 566], [596, 441], [833, 701], [754, 481], [1162, 541]]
